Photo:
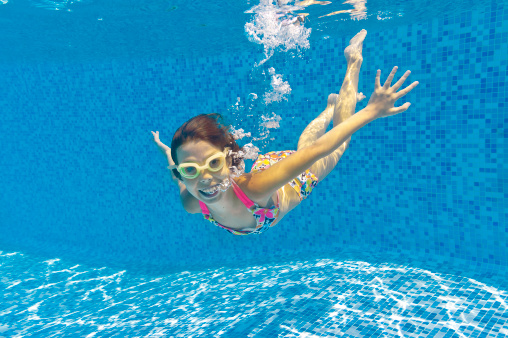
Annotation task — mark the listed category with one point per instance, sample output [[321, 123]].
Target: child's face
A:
[[198, 152]]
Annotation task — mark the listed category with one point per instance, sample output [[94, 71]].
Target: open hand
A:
[[383, 99], [156, 137]]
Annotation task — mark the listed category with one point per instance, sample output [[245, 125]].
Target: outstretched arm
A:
[[381, 104], [164, 149]]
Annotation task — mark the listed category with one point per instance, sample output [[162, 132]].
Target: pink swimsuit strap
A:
[[239, 193]]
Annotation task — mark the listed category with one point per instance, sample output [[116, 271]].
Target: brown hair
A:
[[206, 127]]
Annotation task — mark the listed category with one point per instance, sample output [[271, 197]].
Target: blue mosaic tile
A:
[[350, 295], [81, 176]]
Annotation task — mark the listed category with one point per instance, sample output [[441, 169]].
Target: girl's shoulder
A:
[[244, 183]]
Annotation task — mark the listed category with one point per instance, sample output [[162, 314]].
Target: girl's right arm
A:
[[189, 202]]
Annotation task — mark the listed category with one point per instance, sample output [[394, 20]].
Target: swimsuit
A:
[[303, 183], [265, 217]]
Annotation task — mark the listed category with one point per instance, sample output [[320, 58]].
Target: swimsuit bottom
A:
[[303, 184]]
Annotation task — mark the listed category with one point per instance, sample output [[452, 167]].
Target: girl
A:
[[203, 155]]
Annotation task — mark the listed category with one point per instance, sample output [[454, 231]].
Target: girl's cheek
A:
[[188, 184]]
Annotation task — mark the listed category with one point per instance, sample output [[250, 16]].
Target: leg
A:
[[339, 108]]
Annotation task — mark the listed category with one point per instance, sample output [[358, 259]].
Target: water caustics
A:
[[60, 5], [400, 301]]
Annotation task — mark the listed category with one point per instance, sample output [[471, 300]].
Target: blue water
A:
[[407, 237]]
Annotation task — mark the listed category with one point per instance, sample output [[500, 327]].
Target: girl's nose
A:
[[206, 176]]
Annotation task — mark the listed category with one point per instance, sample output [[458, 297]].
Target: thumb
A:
[[398, 110]]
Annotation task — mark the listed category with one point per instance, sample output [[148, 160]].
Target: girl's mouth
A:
[[211, 192], [214, 190]]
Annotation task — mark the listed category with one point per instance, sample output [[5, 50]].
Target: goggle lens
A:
[[189, 171], [216, 164]]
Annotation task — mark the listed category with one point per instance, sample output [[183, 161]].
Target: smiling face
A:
[[198, 152]]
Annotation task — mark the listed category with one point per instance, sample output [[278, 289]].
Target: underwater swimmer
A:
[[203, 153], [285, 16], [294, 20]]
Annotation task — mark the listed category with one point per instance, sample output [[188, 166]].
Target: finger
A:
[[390, 78], [398, 110], [407, 89], [378, 83], [399, 83]]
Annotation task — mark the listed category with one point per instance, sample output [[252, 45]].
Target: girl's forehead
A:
[[195, 151]]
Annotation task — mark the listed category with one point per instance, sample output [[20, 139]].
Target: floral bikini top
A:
[[264, 216]]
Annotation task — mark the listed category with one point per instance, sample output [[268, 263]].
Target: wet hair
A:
[[210, 128]]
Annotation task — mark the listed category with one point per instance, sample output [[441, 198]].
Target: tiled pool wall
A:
[[80, 174]]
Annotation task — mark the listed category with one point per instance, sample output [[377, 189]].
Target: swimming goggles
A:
[[192, 170]]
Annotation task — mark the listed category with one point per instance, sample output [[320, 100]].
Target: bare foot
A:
[[353, 52], [333, 99], [334, 105]]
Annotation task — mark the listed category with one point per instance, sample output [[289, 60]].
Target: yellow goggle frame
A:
[[183, 168]]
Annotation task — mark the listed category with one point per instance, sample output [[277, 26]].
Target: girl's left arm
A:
[[381, 104], [263, 184]]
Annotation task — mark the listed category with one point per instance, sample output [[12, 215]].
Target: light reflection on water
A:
[[62, 30], [53, 298]]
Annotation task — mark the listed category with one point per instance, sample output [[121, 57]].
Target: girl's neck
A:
[[227, 204]]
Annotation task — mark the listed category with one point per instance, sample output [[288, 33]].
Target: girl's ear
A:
[[229, 157]]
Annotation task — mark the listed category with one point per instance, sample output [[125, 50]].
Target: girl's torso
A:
[[238, 217]]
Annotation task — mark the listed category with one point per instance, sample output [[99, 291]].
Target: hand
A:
[[383, 99], [163, 148], [156, 137], [166, 151]]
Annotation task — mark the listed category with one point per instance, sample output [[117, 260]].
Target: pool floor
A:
[[321, 297]]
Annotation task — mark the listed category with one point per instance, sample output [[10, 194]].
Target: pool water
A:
[[407, 237], [340, 296]]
